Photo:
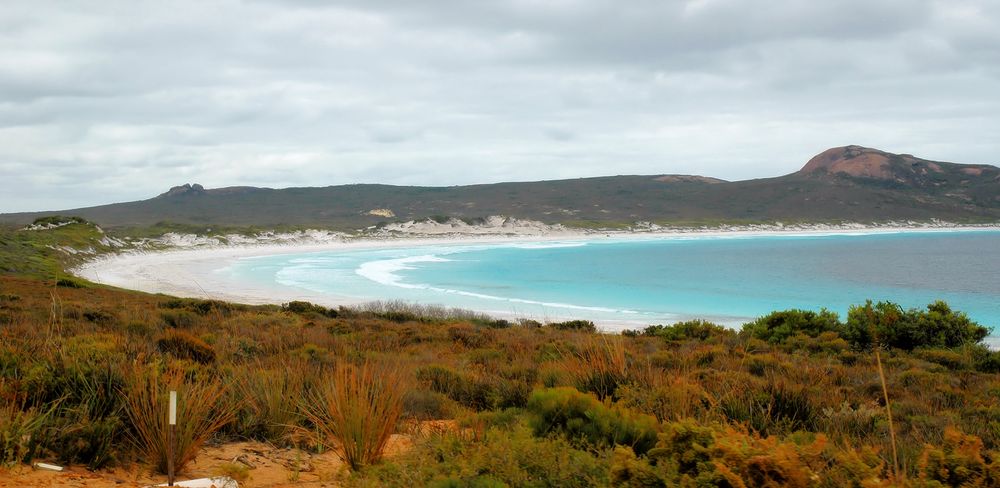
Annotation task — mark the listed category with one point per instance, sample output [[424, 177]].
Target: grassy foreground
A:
[[794, 399]]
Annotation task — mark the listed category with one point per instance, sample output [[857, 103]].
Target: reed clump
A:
[[202, 409], [355, 409]]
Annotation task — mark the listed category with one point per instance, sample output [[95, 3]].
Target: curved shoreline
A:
[[193, 272]]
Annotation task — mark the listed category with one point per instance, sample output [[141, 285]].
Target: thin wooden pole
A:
[[171, 434]]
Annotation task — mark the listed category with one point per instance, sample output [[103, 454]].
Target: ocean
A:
[[657, 280]]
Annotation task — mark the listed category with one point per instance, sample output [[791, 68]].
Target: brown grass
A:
[[201, 411], [600, 366], [357, 407]]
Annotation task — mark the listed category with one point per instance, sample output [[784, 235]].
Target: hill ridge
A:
[[841, 184]]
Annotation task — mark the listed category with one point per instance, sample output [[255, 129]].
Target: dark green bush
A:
[[479, 392], [99, 317], [777, 327], [201, 307], [306, 308], [580, 415], [984, 359], [59, 220], [888, 325], [68, 282], [692, 329], [180, 319], [578, 325], [426, 405], [947, 358], [770, 408]]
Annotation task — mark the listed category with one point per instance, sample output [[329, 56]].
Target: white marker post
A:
[[172, 421]]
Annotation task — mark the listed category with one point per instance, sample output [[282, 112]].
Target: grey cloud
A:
[[116, 100]]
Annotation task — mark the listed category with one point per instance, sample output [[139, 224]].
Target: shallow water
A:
[[729, 279]]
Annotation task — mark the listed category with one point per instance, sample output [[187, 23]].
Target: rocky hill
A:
[[850, 183]]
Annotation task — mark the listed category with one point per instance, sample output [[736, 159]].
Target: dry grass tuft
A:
[[201, 411], [357, 407]]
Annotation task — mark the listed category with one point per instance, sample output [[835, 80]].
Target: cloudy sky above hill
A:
[[106, 101]]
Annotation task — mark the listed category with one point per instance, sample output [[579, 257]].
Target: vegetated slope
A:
[[849, 183]]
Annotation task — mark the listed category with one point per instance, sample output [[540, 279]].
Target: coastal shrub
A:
[[427, 405], [20, 430], [984, 359], [269, 408], [179, 319], [479, 392], [498, 457], [950, 359], [357, 407], [577, 325], [769, 408], [825, 343], [309, 309], [668, 397], [468, 336], [888, 325], [201, 307], [184, 345], [69, 282], [600, 366], [202, 410], [961, 460], [700, 330], [691, 454], [99, 317], [83, 438], [579, 415], [59, 220], [849, 421], [87, 427], [777, 327]]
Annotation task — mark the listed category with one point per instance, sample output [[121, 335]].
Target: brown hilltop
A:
[[852, 161], [863, 162]]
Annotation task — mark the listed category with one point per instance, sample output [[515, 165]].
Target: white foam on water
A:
[[385, 272]]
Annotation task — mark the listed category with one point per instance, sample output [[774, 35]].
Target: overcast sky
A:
[[109, 101]]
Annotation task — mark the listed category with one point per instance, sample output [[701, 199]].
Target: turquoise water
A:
[[728, 279]]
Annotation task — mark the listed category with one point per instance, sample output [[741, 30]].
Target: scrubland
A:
[[794, 399], [797, 398]]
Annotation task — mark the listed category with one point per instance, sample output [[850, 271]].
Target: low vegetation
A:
[[795, 398]]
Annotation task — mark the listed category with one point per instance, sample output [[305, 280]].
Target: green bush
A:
[[479, 392], [308, 309], [777, 327], [693, 329], [960, 461], [19, 432], [888, 325], [947, 358], [68, 282], [582, 416], [770, 408], [496, 458], [179, 319], [578, 325]]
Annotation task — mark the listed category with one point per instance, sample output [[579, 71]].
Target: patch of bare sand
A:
[[266, 466]]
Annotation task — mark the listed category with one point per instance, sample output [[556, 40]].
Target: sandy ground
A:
[[192, 271], [266, 465]]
